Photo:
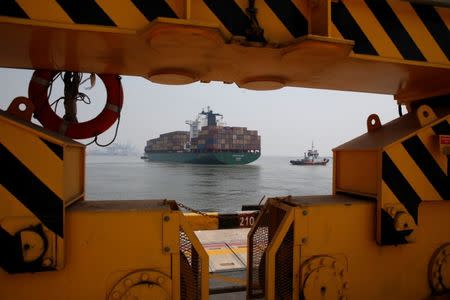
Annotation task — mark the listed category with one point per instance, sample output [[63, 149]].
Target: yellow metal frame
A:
[[203, 256], [201, 41], [272, 249]]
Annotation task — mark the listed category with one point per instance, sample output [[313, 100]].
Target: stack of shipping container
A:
[[210, 139], [171, 141], [233, 139]]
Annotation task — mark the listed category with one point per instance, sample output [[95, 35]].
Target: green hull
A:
[[208, 158]]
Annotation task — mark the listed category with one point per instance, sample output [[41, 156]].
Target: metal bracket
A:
[[29, 249]]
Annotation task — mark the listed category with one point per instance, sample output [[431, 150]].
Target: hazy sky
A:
[[287, 119]]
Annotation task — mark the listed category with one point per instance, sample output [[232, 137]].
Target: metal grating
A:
[[264, 231], [190, 269], [258, 243], [284, 266]]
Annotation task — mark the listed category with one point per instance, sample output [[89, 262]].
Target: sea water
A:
[[223, 188]]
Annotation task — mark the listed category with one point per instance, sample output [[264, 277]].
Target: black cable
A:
[[85, 99], [95, 140]]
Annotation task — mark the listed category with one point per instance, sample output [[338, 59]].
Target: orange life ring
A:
[[37, 92]]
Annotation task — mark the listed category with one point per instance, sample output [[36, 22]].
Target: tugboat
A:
[[311, 158]]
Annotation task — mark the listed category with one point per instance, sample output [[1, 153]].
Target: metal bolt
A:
[[345, 285], [144, 277], [116, 295], [342, 273], [166, 249], [160, 280], [47, 262], [166, 218], [128, 282], [305, 212], [305, 240]]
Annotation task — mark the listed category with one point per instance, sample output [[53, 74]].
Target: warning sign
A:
[[444, 139]]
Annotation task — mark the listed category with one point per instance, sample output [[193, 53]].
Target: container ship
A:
[[210, 144]]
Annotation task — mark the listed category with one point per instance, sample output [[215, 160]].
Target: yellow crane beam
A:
[[317, 44]]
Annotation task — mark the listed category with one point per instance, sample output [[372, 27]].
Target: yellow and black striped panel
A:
[[393, 29], [281, 19], [30, 184], [413, 171]]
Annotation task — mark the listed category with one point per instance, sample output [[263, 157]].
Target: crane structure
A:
[[384, 233]]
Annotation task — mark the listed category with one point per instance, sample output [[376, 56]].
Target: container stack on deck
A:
[[217, 138], [171, 141]]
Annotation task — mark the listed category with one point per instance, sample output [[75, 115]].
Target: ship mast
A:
[[211, 117]]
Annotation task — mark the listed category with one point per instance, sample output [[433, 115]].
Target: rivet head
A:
[[166, 218], [144, 277], [47, 262], [128, 282], [304, 240], [345, 285], [166, 249], [305, 212], [160, 280], [116, 295]]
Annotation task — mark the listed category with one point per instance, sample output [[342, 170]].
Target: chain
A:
[[195, 210]]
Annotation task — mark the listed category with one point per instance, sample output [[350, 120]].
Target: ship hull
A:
[[206, 158], [309, 163]]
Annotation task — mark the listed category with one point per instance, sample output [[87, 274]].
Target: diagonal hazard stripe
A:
[[395, 30], [429, 140], [442, 128], [86, 12], [424, 160], [231, 16], [154, 8], [349, 29], [10, 8], [57, 149], [10, 251], [435, 26], [409, 169], [290, 16], [397, 183], [37, 197]]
